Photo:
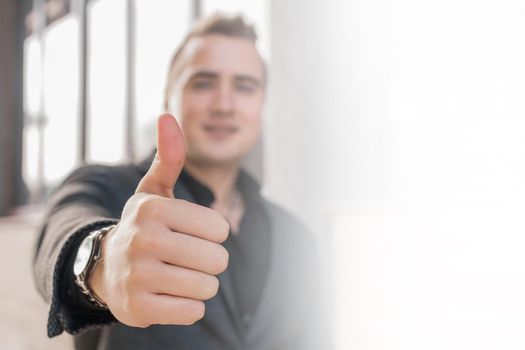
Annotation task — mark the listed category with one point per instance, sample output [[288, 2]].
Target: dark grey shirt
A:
[[268, 297]]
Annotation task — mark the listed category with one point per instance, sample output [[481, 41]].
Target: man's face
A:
[[220, 93]]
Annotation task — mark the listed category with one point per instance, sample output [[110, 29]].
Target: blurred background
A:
[[394, 129]]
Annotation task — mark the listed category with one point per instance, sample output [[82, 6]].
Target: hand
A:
[[160, 262]]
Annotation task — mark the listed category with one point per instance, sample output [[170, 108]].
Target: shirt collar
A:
[[245, 183]]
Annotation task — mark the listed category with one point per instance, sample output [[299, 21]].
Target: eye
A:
[[202, 84], [245, 88]]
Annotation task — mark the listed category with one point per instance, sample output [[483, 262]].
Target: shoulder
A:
[[109, 179], [109, 184], [103, 173]]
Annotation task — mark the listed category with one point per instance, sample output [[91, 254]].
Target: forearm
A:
[[75, 209], [54, 276]]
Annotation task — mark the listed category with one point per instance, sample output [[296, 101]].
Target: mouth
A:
[[220, 131]]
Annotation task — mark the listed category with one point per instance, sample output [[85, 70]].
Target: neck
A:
[[219, 178]]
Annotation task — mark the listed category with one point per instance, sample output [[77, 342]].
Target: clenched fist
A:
[[160, 262]]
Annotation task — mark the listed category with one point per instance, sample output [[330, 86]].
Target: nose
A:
[[223, 104]]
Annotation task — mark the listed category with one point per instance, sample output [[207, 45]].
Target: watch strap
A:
[[96, 255]]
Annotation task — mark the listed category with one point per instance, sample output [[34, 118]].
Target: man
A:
[[181, 251]]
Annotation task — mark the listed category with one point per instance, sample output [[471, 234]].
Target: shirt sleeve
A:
[[87, 200]]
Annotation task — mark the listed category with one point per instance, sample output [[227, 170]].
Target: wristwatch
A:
[[88, 256]]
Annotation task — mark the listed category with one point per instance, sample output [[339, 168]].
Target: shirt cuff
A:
[[70, 310]]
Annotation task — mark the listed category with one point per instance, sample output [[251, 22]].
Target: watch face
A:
[[83, 254]]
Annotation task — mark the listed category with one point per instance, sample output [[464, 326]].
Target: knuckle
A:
[[146, 207], [194, 311], [207, 287], [134, 306], [191, 312], [136, 310], [137, 320], [212, 287], [222, 259], [133, 321], [138, 273], [223, 228], [143, 241], [218, 259], [142, 324]]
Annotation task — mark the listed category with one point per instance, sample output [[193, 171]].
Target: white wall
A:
[[403, 122]]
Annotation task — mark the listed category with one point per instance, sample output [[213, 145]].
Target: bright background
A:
[[394, 129]]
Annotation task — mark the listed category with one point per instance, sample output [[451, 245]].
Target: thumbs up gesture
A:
[[160, 262]]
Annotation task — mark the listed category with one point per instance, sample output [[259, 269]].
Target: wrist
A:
[[87, 266], [94, 279]]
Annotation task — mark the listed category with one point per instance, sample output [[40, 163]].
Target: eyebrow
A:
[[213, 75], [203, 74], [247, 78]]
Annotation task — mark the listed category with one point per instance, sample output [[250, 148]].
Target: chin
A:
[[217, 157], [224, 157]]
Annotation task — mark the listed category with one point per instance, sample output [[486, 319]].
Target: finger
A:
[[182, 282], [187, 251], [167, 309], [169, 160], [193, 219]]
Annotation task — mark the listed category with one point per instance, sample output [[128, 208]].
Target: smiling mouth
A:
[[220, 131]]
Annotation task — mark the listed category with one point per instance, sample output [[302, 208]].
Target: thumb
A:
[[169, 160]]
